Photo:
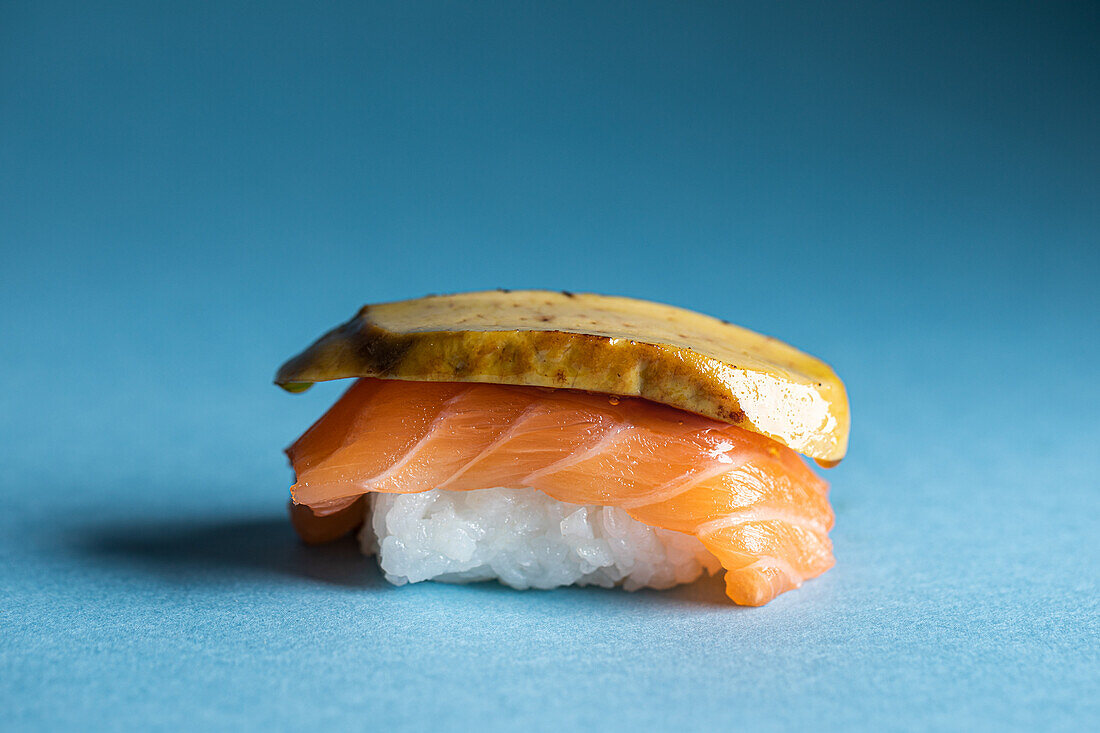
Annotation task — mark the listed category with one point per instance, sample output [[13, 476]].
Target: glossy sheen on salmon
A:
[[752, 502]]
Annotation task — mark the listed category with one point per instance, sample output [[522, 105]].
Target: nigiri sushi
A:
[[545, 439]]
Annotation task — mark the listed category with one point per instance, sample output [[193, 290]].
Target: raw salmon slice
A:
[[752, 502]]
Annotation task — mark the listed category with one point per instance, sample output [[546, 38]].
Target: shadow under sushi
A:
[[219, 549], [188, 551], [706, 591]]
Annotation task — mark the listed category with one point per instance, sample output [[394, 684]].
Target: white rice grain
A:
[[524, 539]]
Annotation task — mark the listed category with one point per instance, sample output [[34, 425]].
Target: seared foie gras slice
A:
[[597, 343]]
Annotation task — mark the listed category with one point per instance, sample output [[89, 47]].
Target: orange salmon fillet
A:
[[752, 502]]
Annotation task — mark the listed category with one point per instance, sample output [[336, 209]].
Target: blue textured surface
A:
[[189, 193]]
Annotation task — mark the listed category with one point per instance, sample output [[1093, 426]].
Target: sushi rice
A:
[[524, 539]]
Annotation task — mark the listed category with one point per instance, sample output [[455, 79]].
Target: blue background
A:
[[191, 192]]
